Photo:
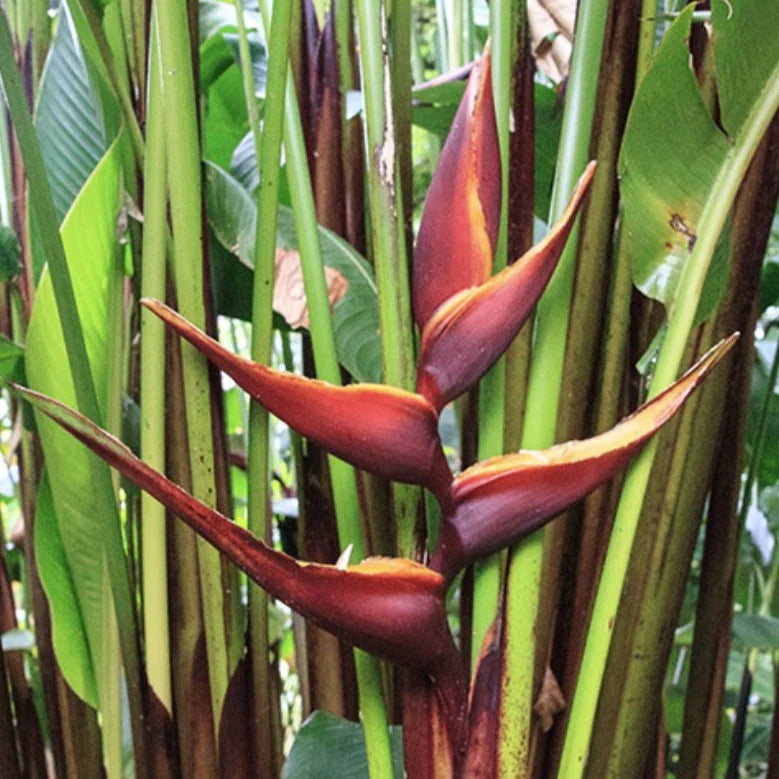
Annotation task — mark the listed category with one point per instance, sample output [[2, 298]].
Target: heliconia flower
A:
[[470, 330], [382, 605], [459, 226], [388, 431], [497, 501]]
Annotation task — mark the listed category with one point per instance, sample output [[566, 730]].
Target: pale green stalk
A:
[[118, 84], [647, 33], [387, 239], [373, 714], [681, 317], [185, 197], [268, 154], [384, 152], [546, 368], [152, 396], [492, 390]]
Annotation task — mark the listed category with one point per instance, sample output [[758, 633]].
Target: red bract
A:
[[498, 501], [471, 329], [382, 604], [387, 431], [459, 226]]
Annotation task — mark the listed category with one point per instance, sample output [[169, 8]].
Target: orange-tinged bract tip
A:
[[496, 502], [382, 606], [470, 330], [459, 226], [390, 432]]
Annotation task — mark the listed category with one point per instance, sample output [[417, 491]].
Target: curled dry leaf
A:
[[551, 33], [550, 701], [289, 293]]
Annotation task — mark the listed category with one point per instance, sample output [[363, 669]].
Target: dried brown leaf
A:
[[289, 294], [550, 701]]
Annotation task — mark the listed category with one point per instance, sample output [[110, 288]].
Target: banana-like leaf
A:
[[459, 227], [232, 214], [496, 502], [667, 185], [382, 605], [69, 118], [83, 503], [470, 330], [388, 431]]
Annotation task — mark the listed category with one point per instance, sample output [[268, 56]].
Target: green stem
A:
[[492, 390], [152, 395], [388, 242], [344, 483], [183, 155], [546, 368], [387, 149], [268, 154], [647, 32], [681, 316], [118, 84]]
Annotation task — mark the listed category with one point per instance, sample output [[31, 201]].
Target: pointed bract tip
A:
[[469, 331], [498, 501]]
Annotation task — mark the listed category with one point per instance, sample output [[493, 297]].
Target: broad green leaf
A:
[[762, 678], [69, 633], [329, 746], [548, 123], [768, 469], [219, 43], [673, 151], [756, 631], [232, 214], [68, 117], [84, 501], [220, 51], [243, 165], [226, 119]]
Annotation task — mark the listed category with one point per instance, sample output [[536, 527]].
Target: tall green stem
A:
[[384, 152], [681, 316], [546, 368], [183, 155], [373, 714], [492, 391], [153, 537], [388, 242], [268, 153]]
